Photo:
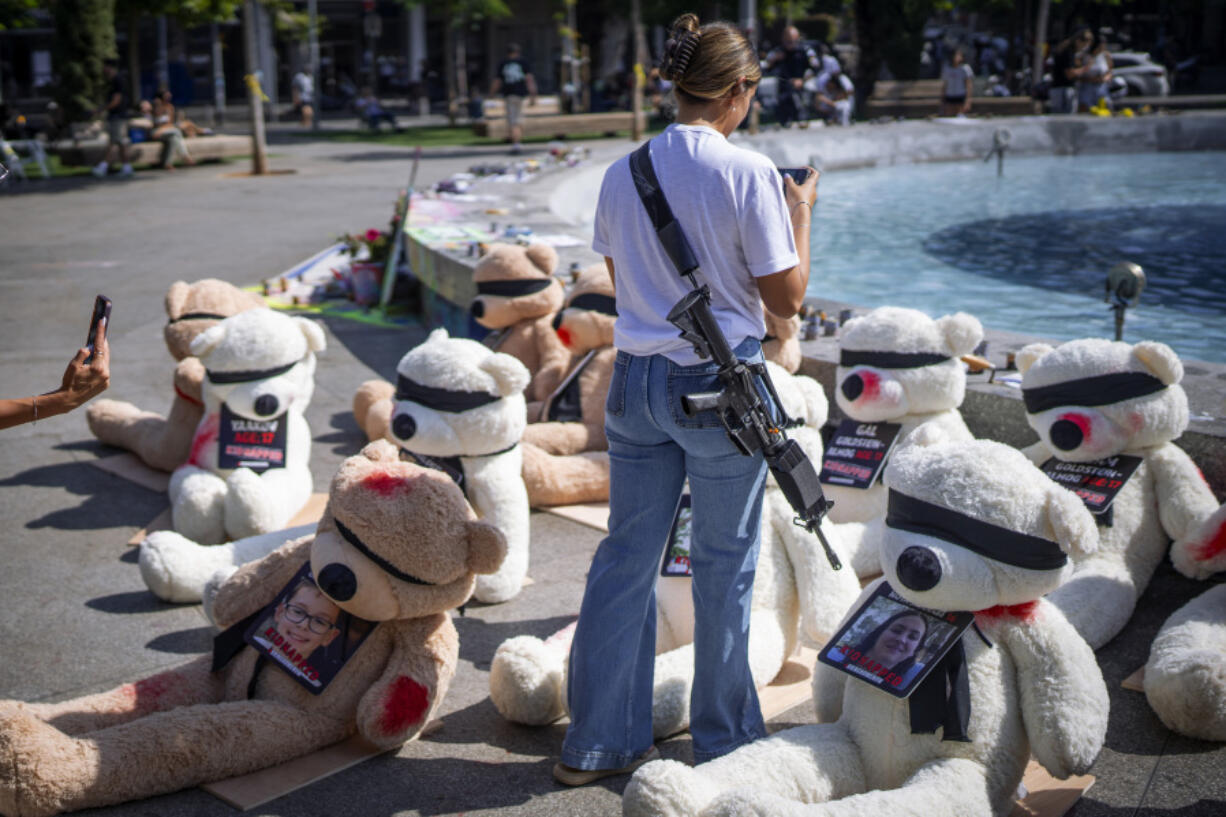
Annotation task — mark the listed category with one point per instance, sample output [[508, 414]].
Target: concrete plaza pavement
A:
[[77, 618]]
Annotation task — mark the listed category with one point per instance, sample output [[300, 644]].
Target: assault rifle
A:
[[745, 415]]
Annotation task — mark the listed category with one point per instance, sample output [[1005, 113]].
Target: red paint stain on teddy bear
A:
[[206, 435], [147, 692], [406, 704], [1081, 421], [564, 335], [1214, 546], [1026, 611], [872, 385], [385, 484]]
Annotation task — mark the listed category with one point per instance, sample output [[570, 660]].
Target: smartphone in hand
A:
[[798, 174], [102, 310]]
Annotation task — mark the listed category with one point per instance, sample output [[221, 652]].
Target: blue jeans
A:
[[653, 447]]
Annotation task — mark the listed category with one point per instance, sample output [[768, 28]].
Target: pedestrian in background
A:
[[956, 85], [514, 79], [115, 109]]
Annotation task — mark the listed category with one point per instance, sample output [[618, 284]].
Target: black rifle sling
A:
[[661, 215]]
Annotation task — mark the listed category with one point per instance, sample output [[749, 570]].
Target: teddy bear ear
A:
[[1161, 360], [314, 333], [1070, 524], [543, 257], [487, 547], [381, 451], [176, 297], [926, 435], [1029, 354], [509, 374], [204, 343], [962, 332], [437, 335]]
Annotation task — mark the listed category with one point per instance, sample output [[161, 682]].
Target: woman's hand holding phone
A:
[[89, 372], [805, 192]]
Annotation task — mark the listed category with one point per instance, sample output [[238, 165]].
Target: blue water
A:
[[1029, 252]]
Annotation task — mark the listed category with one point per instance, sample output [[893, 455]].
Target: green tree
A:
[[84, 37], [457, 15], [187, 12], [16, 13]]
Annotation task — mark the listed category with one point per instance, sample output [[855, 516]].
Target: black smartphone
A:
[[102, 309], [798, 174]]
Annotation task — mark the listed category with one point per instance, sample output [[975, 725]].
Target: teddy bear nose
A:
[[1065, 435], [266, 405], [338, 582], [918, 568], [404, 426], [478, 308], [852, 387]]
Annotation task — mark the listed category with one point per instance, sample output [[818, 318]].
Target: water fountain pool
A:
[[1029, 252]]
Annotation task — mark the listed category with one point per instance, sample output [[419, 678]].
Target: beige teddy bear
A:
[[397, 547], [165, 442], [517, 298]]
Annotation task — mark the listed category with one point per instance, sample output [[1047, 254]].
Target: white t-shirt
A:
[[955, 79], [730, 205]]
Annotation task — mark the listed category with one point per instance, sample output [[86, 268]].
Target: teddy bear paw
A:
[[175, 568], [41, 768], [664, 788], [249, 509], [1204, 553], [526, 681]]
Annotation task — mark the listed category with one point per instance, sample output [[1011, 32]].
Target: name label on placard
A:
[[677, 554], [305, 634], [1097, 482], [857, 453], [891, 643], [255, 444]]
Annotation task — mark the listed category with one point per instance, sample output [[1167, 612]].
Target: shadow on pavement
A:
[[109, 503]]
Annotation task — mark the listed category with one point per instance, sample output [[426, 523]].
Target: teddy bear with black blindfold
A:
[[161, 442], [1107, 414], [396, 549], [972, 528]]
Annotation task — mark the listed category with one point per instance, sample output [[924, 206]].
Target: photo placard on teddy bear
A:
[[893, 644], [255, 444], [677, 554], [857, 453], [307, 635], [1096, 482]]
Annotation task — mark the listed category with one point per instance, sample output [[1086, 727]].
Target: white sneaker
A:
[[126, 170], [99, 170]]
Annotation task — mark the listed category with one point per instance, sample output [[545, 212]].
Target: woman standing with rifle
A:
[[749, 229]]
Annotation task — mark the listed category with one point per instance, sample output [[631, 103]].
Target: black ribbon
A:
[[249, 374], [999, 544], [449, 400], [513, 288], [595, 302], [943, 699], [388, 567], [1091, 391], [890, 360], [451, 466], [194, 316], [229, 641]]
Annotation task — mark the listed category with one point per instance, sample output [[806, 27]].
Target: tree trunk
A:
[[449, 72], [133, 57], [869, 62], [259, 158]]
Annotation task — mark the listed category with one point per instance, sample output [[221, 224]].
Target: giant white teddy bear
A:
[[897, 366], [973, 527], [1185, 677], [460, 406], [794, 589], [249, 468], [1099, 408]]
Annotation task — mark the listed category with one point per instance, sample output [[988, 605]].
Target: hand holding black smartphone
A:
[[102, 311], [798, 174]]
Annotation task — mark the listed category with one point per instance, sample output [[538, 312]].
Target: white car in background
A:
[[1141, 75]]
